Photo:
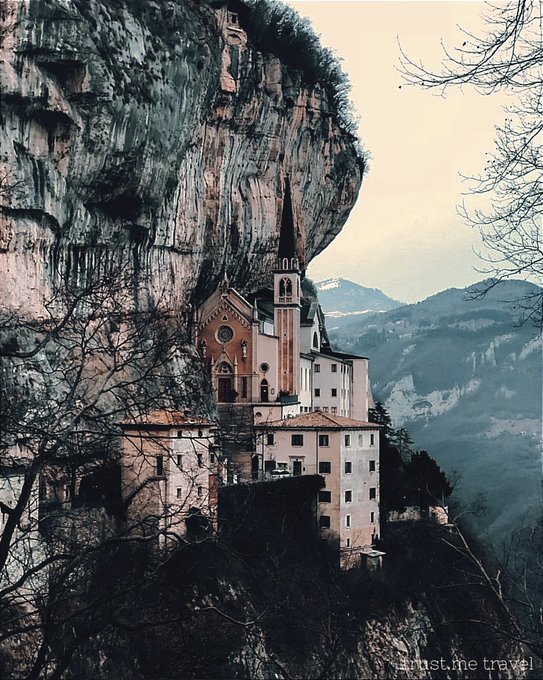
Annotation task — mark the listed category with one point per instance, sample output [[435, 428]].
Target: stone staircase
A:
[[237, 437]]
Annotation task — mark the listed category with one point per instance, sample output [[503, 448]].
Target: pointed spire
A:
[[287, 234], [225, 284]]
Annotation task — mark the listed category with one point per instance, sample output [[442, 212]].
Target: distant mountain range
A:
[[341, 300], [467, 382]]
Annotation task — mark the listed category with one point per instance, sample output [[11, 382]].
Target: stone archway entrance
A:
[[225, 383]]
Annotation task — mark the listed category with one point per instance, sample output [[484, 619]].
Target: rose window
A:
[[225, 334]]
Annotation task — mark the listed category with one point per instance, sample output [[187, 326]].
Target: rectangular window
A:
[[325, 409], [348, 542], [334, 368], [360, 440], [347, 521], [373, 493], [325, 496], [334, 392], [160, 466], [211, 457], [179, 434], [347, 440], [372, 518], [180, 461], [269, 465], [317, 368], [324, 521], [348, 467], [317, 392], [244, 388], [348, 496], [334, 409], [200, 491], [325, 467], [297, 440], [200, 459], [179, 492], [270, 439], [372, 466], [324, 440], [372, 440]]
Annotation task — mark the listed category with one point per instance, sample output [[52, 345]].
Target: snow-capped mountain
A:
[[465, 379], [340, 298]]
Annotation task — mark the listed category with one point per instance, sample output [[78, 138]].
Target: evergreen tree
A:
[[425, 480], [402, 440], [378, 414], [391, 466], [406, 477]]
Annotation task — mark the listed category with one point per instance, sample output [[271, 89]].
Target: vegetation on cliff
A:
[[217, 609], [278, 28]]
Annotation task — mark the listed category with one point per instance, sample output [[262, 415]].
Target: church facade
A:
[[288, 403], [271, 353]]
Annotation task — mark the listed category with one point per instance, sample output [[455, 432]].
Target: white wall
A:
[[360, 480], [360, 389], [325, 380], [266, 352], [305, 392]]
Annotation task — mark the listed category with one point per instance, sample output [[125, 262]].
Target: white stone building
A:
[[170, 471], [269, 357], [345, 452], [286, 398]]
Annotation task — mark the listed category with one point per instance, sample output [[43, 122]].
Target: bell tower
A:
[[287, 302]]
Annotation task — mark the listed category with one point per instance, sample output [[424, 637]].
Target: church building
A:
[[276, 377]]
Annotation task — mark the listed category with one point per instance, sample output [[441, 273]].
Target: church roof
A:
[[319, 420], [329, 352], [310, 309]]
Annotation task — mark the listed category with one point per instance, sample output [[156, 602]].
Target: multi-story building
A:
[[170, 471], [346, 453], [285, 397], [269, 357]]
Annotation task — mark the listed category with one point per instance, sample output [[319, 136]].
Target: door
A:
[[296, 467], [225, 389], [264, 391]]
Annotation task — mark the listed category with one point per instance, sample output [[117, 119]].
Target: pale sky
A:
[[404, 235]]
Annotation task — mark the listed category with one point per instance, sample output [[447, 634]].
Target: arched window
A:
[[315, 340], [224, 367], [264, 390], [285, 289]]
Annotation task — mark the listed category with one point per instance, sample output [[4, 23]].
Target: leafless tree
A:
[[67, 382], [512, 580], [509, 58]]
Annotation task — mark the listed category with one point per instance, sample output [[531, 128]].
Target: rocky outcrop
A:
[[155, 136]]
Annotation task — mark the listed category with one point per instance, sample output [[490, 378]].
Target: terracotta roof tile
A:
[[319, 419]]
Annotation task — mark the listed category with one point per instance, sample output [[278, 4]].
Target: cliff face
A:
[[153, 135]]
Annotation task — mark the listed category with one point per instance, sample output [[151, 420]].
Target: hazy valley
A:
[[465, 379]]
